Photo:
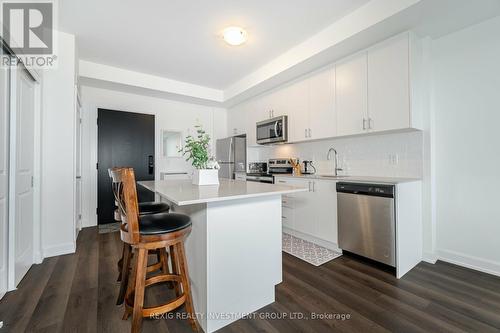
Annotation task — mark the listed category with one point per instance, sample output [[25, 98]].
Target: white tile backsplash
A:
[[378, 155]]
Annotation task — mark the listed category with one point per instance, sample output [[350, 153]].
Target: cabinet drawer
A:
[[282, 181], [287, 202]]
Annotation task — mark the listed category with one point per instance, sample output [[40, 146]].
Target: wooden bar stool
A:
[[155, 232], [145, 208]]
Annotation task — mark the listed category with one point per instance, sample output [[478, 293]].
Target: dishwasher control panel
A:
[[380, 190]]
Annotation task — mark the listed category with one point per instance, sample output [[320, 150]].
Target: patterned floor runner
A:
[[309, 252]]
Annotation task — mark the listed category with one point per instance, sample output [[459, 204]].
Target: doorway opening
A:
[[124, 139]]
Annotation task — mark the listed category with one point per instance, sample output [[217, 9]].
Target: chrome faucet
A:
[[336, 160]]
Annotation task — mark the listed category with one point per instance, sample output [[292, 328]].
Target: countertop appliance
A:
[[273, 130], [231, 156], [257, 172], [366, 220], [279, 166]]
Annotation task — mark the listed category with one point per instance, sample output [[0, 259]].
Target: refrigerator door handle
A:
[[231, 149]]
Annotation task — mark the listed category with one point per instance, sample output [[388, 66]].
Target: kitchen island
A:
[[234, 249]]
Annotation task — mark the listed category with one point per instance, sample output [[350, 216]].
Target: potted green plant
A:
[[196, 150]]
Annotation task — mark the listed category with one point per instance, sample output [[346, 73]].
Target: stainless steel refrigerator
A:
[[231, 153]]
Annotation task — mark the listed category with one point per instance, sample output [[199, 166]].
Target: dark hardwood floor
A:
[[77, 293]]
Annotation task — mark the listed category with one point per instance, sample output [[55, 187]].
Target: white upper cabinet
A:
[[322, 117], [351, 95], [297, 110], [389, 85], [237, 120], [371, 91]]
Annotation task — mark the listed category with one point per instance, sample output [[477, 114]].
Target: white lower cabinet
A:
[[312, 213]]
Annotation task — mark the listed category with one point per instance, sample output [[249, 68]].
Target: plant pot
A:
[[206, 177]]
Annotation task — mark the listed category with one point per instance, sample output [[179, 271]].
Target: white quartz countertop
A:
[[364, 179], [183, 192]]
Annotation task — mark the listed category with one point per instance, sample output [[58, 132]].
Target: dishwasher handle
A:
[[376, 190]]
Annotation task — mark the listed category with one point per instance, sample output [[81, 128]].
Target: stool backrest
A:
[[125, 192]]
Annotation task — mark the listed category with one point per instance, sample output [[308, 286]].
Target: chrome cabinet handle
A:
[[370, 121], [309, 132], [305, 132], [364, 124]]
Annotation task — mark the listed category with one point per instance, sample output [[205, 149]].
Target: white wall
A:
[[358, 156], [466, 90], [169, 115], [57, 155]]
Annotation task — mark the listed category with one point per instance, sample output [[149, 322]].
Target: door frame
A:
[[78, 109], [94, 147], [37, 252]]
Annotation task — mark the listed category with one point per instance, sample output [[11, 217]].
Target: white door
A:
[[388, 85], [25, 105], [322, 117], [4, 174], [351, 92], [78, 168]]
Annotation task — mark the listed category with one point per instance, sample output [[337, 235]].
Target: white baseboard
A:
[[478, 264], [429, 257], [59, 249], [312, 239], [37, 257]]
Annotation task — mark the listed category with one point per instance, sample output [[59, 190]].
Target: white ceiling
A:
[[180, 39]]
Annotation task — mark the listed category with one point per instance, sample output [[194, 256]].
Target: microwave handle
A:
[[276, 128]]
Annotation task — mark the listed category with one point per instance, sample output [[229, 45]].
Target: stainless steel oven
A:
[[273, 130]]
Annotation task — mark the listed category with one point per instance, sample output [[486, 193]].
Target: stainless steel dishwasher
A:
[[366, 220]]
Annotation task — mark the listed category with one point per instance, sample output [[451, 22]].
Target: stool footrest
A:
[[156, 310], [154, 267], [162, 278]]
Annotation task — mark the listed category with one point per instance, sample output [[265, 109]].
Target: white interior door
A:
[[4, 174], [23, 229]]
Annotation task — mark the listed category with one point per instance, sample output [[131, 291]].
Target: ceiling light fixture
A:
[[235, 36]]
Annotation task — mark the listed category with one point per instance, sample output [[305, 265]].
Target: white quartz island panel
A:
[[234, 249]]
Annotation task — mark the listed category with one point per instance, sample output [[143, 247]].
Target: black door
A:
[[124, 139]]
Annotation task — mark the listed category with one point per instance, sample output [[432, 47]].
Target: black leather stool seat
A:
[[153, 208], [162, 223]]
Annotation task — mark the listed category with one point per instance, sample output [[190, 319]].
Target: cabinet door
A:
[[236, 120], [322, 117], [303, 209], [297, 102], [351, 93], [325, 208], [277, 103], [253, 114], [388, 85]]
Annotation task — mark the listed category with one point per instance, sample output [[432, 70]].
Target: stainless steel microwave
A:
[[273, 130]]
